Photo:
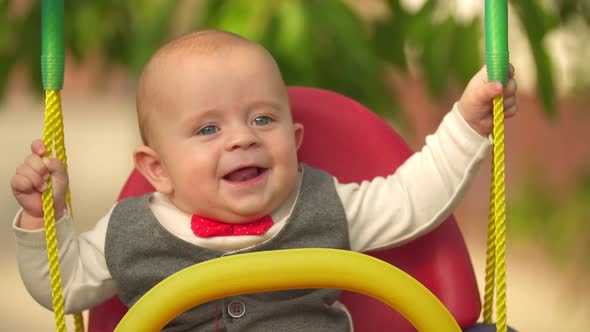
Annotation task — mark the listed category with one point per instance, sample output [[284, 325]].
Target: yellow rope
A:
[[496, 252], [78, 322], [52, 108], [53, 136], [490, 258], [60, 152]]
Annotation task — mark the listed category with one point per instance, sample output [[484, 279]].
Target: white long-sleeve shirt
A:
[[384, 212]]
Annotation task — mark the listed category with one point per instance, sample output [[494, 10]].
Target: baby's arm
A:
[[85, 278], [390, 211]]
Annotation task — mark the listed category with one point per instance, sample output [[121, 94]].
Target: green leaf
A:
[[546, 87], [291, 26], [466, 58], [389, 41], [437, 56], [6, 64], [28, 48], [288, 38], [421, 24], [537, 23], [150, 27], [535, 18], [247, 18], [343, 56]]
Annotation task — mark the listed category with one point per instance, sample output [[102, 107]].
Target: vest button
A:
[[236, 309]]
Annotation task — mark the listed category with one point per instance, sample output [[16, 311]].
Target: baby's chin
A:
[[230, 214], [242, 216], [252, 209], [234, 214]]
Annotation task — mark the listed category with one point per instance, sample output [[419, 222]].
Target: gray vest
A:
[[140, 253]]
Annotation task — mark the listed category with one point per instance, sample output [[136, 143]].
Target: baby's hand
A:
[[476, 104], [29, 182]]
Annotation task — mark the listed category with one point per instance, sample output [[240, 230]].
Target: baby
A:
[[220, 148]]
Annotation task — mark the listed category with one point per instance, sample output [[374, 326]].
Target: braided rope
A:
[[78, 322], [60, 151], [490, 277], [496, 251], [52, 109], [53, 137], [500, 214]]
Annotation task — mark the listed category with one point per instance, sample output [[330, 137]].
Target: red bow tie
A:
[[204, 227]]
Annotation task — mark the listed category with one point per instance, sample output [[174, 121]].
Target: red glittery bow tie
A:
[[204, 227]]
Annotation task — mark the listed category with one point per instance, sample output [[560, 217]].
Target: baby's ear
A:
[[298, 134], [148, 163]]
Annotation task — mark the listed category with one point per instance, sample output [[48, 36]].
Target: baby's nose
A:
[[242, 137]]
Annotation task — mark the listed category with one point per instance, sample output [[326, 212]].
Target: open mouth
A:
[[244, 174]]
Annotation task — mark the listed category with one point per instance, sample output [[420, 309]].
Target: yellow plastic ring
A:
[[288, 269]]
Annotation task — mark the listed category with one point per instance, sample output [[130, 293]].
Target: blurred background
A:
[[408, 60]]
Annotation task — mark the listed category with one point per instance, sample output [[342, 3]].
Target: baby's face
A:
[[226, 139]]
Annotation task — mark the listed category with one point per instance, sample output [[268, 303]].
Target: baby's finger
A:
[[510, 88], [37, 181], [511, 71], [21, 185], [510, 106], [56, 168], [487, 92], [509, 102], [37, 164], [35, 169], [37, 147], [510, 111]]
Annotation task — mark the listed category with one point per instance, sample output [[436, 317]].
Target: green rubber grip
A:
[[496, 20], [52, 44]]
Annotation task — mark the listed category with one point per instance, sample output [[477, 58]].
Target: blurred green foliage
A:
[[557, 221], [324, 43]]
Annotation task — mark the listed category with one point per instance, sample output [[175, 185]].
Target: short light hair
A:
[[203, 42]]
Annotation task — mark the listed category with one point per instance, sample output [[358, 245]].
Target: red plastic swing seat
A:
[[346, 139]]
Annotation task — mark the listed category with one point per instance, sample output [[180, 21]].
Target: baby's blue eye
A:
[[208, 130], [262, 120]]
